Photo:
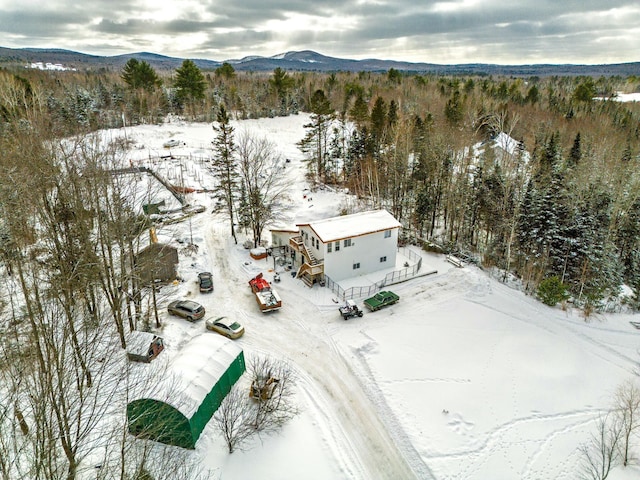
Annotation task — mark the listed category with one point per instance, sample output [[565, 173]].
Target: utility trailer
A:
[[266, 297]]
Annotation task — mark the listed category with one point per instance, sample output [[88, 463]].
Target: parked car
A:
[[186, 309], [381, 299], [205, 281], [225, 326]]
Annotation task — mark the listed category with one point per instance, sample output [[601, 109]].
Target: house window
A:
[[356, 265], [313, 241], [317, 244], [329, 246], [383, 259], [387, 233], [338, 246], [347, 242]]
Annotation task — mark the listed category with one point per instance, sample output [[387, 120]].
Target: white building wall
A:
[[312, 242], [365, 250], [281, 237]]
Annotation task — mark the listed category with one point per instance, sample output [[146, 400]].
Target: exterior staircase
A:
[[311, 269]]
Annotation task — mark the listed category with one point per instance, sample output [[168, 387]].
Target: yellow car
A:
[[224, 326]]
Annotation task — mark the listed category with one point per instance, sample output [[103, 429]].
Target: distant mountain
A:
[[306, 60]]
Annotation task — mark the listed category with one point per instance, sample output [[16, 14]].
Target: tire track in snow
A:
[[388, 417], [349, 421]]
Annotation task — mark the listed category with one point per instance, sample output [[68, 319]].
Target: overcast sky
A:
[[447, 31]]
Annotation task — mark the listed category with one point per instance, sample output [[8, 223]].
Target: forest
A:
[[557, 206], [560, 210]]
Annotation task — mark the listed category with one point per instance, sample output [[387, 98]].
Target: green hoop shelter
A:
[[198, 378]]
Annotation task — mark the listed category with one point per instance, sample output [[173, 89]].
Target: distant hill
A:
[[306, 60]]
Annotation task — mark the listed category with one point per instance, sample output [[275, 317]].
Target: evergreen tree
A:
[[189, 83], [394, 76], [378, 125], [140, 75], [551, 291], [453, 110], [359, 112], [585, 91], [628, 241], [533, 95], [225, 71], [314, 143], [356, 152], [281, 82], [392, 113], [576, 151], [224, 164]]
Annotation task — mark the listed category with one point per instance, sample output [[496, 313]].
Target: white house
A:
[[345, 246]]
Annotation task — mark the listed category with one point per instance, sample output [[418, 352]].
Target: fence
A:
[[390, 278]]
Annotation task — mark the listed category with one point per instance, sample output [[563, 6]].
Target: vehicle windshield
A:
[[235, 326]]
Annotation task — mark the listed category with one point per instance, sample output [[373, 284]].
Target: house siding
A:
[[365, 250], [310, 239]]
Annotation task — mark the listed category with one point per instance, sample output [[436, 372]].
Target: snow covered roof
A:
[[193, 372], [507, 143], [138, 342], [354, 225]]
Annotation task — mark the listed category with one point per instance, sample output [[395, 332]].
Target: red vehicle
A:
[[266, 297]]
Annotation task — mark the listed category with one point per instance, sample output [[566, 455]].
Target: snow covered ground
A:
[[464, 378]]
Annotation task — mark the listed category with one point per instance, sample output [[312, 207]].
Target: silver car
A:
[[186, 309]]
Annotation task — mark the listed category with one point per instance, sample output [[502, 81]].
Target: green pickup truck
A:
[[381, 299]]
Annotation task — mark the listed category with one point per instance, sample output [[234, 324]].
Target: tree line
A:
[[556, 202], [559, 202]]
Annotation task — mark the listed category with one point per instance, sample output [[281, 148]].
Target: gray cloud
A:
[[446, 31]]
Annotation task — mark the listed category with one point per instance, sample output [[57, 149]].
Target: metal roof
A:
[[354, 225], [192, 373]]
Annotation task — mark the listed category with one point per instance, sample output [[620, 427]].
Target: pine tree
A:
[[281, 82], [140, 75], [533, 95], [314, 144], [224, 164], [575, 155], [392, 113], [628, 241], [453, 110], [378, 125], [359, 112], [225, 71], [189, 83]]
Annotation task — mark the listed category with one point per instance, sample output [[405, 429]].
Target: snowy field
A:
[[464, 378]]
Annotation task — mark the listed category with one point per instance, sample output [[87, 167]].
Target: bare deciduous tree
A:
[[262, 175], [267, 407], [272, 389], [231, 418], [627, 406], [601, 452]]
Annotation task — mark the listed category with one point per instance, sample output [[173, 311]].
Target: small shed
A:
[[175, 410], [157, 262], [143, 346]]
